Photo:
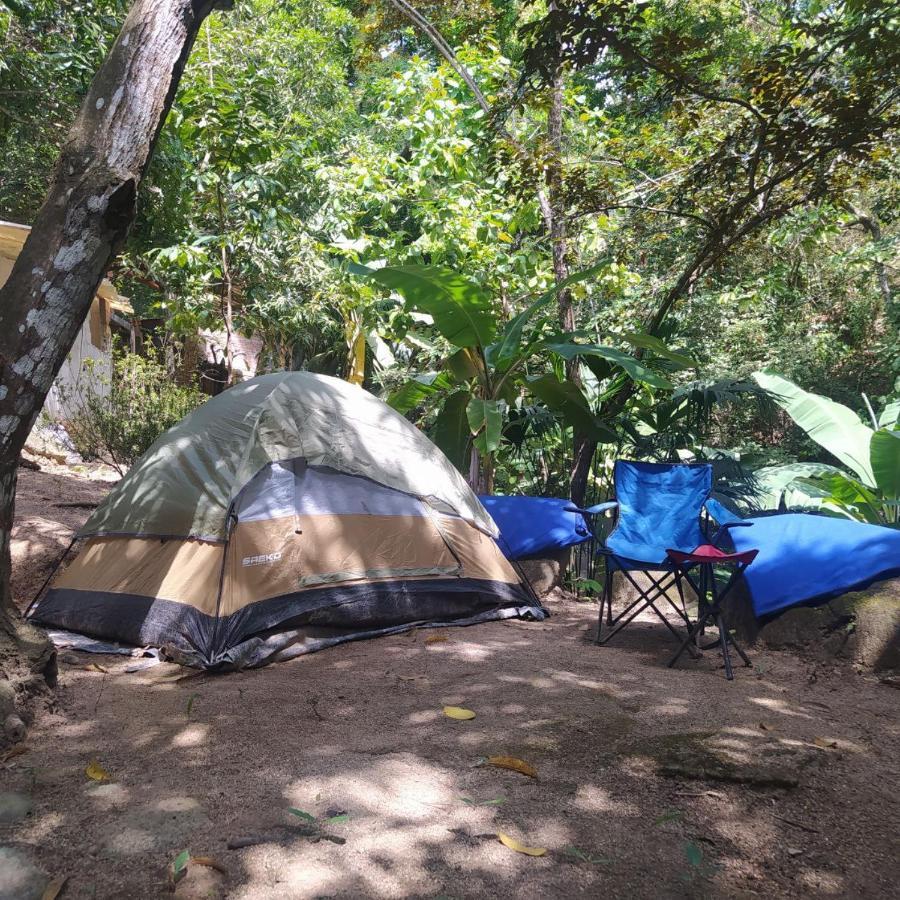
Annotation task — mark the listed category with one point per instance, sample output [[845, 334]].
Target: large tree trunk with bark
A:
[[80, 227]]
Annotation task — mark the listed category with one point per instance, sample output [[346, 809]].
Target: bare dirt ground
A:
[[798, 765]]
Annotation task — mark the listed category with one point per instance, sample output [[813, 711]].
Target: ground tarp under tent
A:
[[291, 512]]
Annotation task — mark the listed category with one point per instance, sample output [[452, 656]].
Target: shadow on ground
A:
[[651, 782], [197, 761]]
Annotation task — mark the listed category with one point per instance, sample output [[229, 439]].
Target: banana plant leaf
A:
[[794, 486], [636, 370], [853, 499], [890, 415], [650, 342], [502, 354], [566, 399], [415, 391], [885, 458], [451, 430], [462, 311], [486, 422], [833, 426]]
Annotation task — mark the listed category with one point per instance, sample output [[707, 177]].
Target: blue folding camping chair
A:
[[659, 508]]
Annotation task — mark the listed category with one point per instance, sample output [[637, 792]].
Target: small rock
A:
[[7, 698], [13, 807], [20, 879], [14, 728]]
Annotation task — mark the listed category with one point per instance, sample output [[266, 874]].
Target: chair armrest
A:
[[602, 507], [723, 530]]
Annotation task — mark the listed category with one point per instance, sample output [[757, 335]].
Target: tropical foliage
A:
[[550, 234], [872, 492]]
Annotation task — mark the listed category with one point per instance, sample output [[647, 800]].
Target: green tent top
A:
[[184, 485]]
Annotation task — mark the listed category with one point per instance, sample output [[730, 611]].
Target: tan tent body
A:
[[287, 514]]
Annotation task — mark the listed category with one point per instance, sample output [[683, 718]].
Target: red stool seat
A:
[[706, 553]]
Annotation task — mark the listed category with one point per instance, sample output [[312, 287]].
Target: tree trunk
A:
[[583, 447], [80, 227], [871, 225]]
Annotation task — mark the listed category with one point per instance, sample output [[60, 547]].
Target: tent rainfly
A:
[[289, 513]]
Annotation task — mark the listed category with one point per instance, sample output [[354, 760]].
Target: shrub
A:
[[121, 413]]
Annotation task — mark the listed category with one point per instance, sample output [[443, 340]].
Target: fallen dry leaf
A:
[[825, 744], [13, 752], [51, 892], [514, 763], [513, 844], [458, 712], [96, 772], [97, 668], [764, 726], [210, 863], [436, 639]]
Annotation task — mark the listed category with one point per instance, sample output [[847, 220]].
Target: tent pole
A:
[[56, 565], [521, 573], [230, 519]]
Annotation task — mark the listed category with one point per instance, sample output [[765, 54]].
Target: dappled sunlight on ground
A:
[[652, 782], [358, 732]]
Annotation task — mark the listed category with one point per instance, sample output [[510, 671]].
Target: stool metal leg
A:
[[723, 641]]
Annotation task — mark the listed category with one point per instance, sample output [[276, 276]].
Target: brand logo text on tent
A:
[[261, 560]]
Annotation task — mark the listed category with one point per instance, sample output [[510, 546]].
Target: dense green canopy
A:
[[724, 173]]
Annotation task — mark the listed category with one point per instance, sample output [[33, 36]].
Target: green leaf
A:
[[486, 423], [462, 311], [885, 458], [338, 819], [178, 866], [831, 425], [635, 370], [417, 390], [890, 415], [650, 342], [301, 814], [694, 854], [801, 485], [853, 498], [451, 430], [462, 365], [567, 400], [590, 584], [502, 354]]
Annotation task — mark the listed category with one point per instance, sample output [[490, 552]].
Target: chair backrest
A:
[[659, 508]]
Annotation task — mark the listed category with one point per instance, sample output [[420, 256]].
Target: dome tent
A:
[[288, 513]]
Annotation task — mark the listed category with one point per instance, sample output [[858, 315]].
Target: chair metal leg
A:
[[741, 653], [723, 641], [680, 588], [609, 592], [690, 641], [605, 598]]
